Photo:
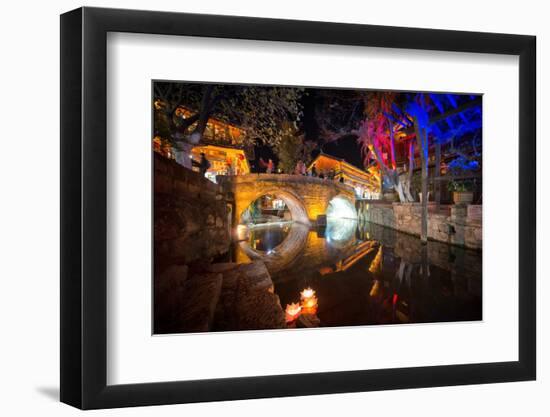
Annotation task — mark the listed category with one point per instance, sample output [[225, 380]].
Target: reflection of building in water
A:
[[367, 184], [302, 248], [267, 237]]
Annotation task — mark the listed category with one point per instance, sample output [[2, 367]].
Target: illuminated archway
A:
[[341, 207]]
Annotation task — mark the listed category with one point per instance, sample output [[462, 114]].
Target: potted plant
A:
[[463, 192], [462, 182]]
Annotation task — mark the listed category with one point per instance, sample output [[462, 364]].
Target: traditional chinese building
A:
[[367, 184], [217, 132], [224, 160], [222, 144]]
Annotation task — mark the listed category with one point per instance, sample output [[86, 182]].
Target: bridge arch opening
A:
[[273, 207], [340, 207]]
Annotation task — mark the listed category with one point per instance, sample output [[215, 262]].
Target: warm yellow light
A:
[[376, 264], [292, 311], [158, 104], [307, 293], [374, 289], [309, 305]]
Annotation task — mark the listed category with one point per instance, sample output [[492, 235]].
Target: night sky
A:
[[344, 148]]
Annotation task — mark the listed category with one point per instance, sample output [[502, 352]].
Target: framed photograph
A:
[[258, 208]]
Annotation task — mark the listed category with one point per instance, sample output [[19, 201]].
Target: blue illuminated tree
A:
[[417, 107]]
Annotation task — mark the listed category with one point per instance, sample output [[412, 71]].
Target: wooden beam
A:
[[442, 116]]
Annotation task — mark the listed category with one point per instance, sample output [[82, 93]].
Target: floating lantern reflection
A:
[[375, 287], [292, 312], [376, 265]]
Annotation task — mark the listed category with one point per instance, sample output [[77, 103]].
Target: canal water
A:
[[366, 274]]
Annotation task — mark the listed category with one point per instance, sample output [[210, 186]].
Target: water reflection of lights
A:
[[375, 288], [340, 230], [265, 237], [376, 264], [318, 265], [341, 208]]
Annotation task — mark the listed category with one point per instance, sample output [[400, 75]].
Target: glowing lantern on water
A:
[[292, 312], [309, 304], [309, 301], [307, 293]]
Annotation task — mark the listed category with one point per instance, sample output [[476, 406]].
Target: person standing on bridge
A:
[[313, 171], [297, 168], [303, 169], [300, 168], [204, 164], [270, 166]]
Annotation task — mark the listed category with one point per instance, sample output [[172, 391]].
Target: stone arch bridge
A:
[[306, 197]]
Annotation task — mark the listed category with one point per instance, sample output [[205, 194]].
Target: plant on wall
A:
[[460, 169]]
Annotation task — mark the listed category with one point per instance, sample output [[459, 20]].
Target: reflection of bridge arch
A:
[[306, 197], [285, 253], [342, 207]]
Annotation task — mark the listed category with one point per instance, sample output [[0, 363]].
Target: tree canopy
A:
[[265, 113]]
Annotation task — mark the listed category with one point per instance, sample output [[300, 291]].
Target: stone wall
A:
[[192, 228], [457, 224], [191, 216]]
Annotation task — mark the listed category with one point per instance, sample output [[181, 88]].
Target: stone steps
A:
[[185, 303], [219, 297], [247, 300], [200, 298]]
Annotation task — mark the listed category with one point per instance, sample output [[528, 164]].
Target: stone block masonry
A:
[[217, 297], [191, 216], [192, 222], [456, 225]]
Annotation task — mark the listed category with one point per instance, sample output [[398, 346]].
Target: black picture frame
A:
[[84, 207]]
